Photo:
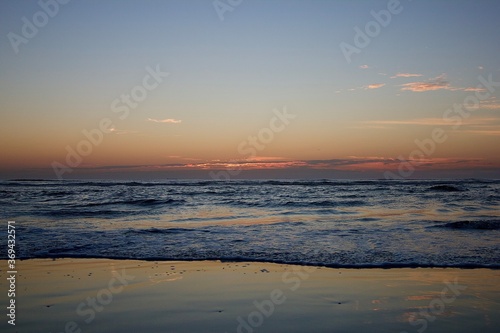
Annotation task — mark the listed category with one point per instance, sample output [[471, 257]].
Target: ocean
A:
[[333, 223]]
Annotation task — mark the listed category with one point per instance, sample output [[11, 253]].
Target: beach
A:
[[252, 256], [235, 166], [103, 295]]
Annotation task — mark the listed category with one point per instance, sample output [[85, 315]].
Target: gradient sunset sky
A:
[[412, 101]]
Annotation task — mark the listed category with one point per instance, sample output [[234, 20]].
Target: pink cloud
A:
[[436, 83], [350, 163], [374, 86]]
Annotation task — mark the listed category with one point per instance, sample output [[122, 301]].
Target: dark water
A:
[[333, 223]]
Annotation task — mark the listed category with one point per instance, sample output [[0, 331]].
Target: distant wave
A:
[[72, 213], [29, 180], [57, 193], [485, 225], [445, 188], [160, 231], [326, 203], [294, 203], [136, 202], [435, 185]]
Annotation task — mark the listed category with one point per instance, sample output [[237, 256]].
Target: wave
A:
[[326, 203], [72, 213], [445, 188], [154, 202], [136, 202], [337, 230], [29, 180], [57, 193], [69, 249], [162, 231], [294, 204], [481, 225]]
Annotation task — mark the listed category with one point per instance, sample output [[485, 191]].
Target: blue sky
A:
[[226, 77]]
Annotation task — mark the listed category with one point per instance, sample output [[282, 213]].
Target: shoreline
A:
[[276, 262], [97, 295]]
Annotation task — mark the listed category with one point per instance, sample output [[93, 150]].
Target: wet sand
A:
[[90, 295]]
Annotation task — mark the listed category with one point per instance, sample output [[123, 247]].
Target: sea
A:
[[332, 223]]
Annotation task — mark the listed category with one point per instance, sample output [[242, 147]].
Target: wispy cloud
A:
[[248, 164], [472, 89], [433, 122], [405, 75], [374, 86], [354, 163], [489, 126], [489, 105], [437, 83], [364, 67], [165, 121], [350, 163], [366, 87]]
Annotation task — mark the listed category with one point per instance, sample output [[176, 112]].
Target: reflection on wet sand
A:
[[210, 296]]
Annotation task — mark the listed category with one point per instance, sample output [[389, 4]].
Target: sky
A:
[[249, 89]]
